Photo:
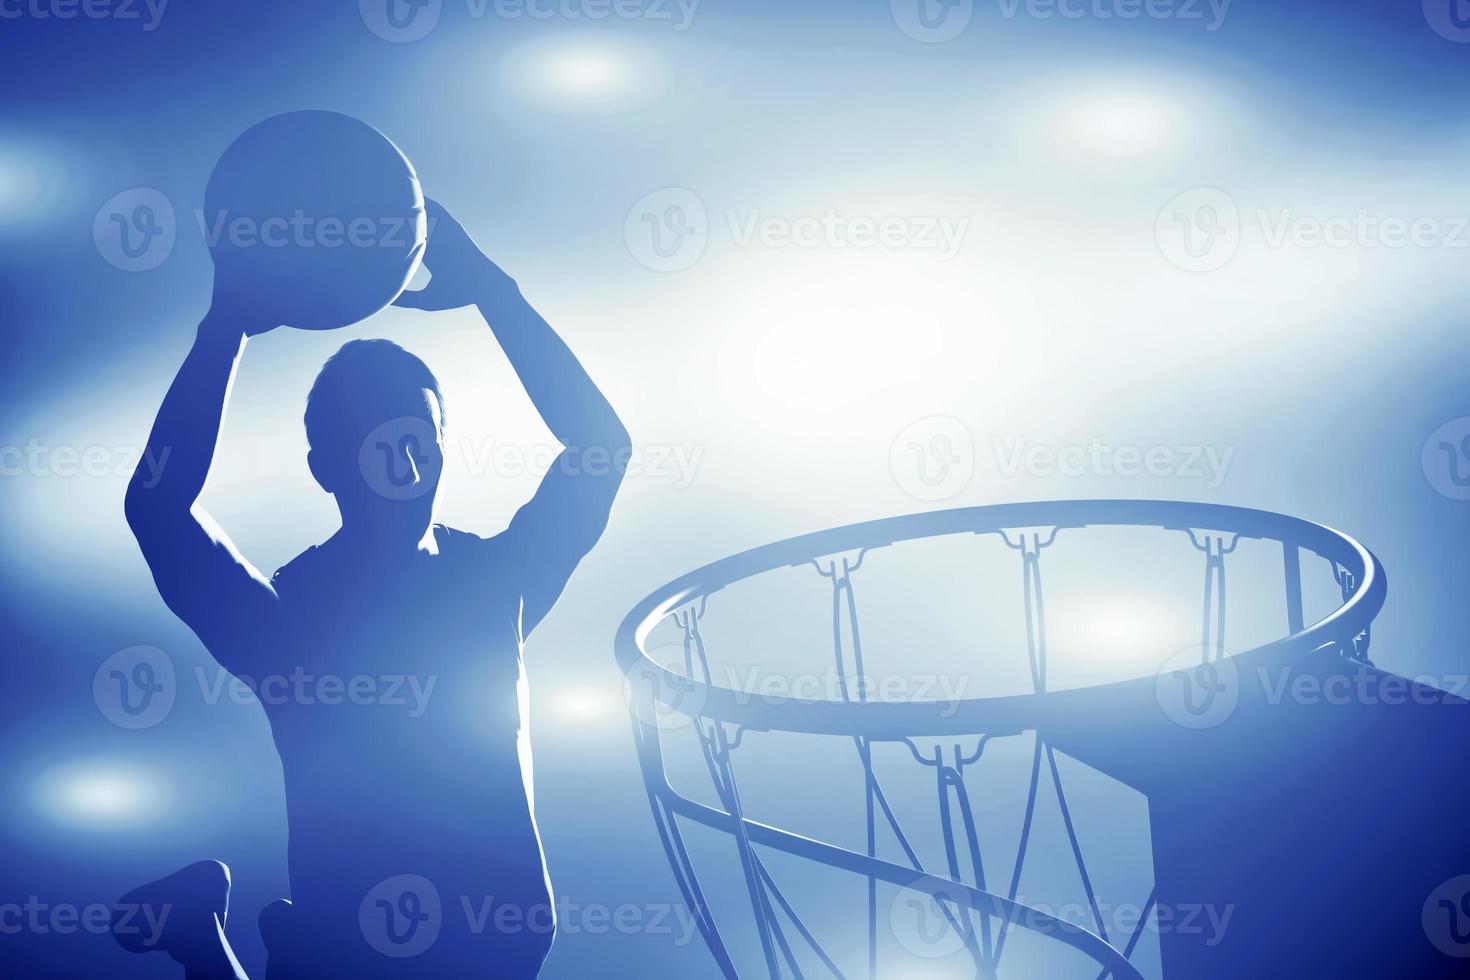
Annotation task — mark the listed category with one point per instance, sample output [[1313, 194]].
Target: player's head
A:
[[375, 425]]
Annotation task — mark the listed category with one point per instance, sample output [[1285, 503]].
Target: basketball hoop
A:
[[982, 918]]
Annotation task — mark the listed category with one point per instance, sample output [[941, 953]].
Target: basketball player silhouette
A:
[[411, 824]]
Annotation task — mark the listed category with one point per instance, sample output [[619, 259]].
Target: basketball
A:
[[317, 215]]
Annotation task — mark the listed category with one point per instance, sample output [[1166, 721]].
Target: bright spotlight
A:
[[1119, 125], [32, 179], [1121, 631], [98, 795], [582, 73], [12, 183], [585, 704], [1112, 636], [103, 795]]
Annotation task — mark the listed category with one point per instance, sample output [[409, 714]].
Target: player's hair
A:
[[349, 393]]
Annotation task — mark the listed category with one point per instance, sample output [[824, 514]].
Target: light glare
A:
[[1119, 125], [98, 795], [581, 74], [585, 704]]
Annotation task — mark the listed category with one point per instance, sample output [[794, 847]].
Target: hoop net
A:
[[935, 857]]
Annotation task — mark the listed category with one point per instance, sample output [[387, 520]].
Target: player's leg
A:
[[182, 915], [279, 933]]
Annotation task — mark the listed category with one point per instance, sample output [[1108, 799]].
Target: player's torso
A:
[[401, 736]]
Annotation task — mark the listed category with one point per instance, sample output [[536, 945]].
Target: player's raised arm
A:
[[200, 575], [551, 533]]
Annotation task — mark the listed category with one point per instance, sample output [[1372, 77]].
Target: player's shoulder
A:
[[478, 555], [457, 545], [454, 547], [452, 539], [298, 570]]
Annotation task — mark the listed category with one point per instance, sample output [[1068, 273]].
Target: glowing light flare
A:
[[34, 180], [583, 705], [100, 795], [580, 73], [586, 72], [825, 331], [1119, 635], [1121, 125], [1120, 629]]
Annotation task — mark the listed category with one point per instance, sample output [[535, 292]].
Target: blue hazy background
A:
[[782, 375]]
